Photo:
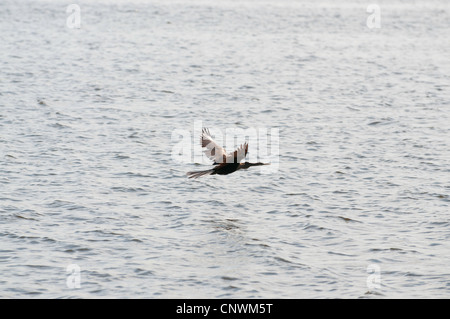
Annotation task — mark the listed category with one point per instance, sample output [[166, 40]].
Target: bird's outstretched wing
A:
[[213, 150], [238, 155]]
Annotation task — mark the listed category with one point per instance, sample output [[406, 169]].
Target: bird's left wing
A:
[[213, 150]]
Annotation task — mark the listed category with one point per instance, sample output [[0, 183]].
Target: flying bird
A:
[[223, 163]]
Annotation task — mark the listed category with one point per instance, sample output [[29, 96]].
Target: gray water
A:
[[358, 207]]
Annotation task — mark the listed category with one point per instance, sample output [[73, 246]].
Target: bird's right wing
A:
[[238, 155], [213, 150]]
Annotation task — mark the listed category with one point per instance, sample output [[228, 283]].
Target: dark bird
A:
[[224, 163]]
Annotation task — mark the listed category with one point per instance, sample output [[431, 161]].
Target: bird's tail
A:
[[197, 174]]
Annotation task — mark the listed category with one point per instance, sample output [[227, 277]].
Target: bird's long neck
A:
[[248, 164]]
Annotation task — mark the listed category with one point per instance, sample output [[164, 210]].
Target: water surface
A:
[[87, 177]]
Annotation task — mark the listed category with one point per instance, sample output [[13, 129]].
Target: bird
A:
[[224, 163]]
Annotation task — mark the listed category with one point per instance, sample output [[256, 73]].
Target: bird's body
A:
[[224, 163]]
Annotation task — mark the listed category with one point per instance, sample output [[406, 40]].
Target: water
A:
[[358, 207]]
